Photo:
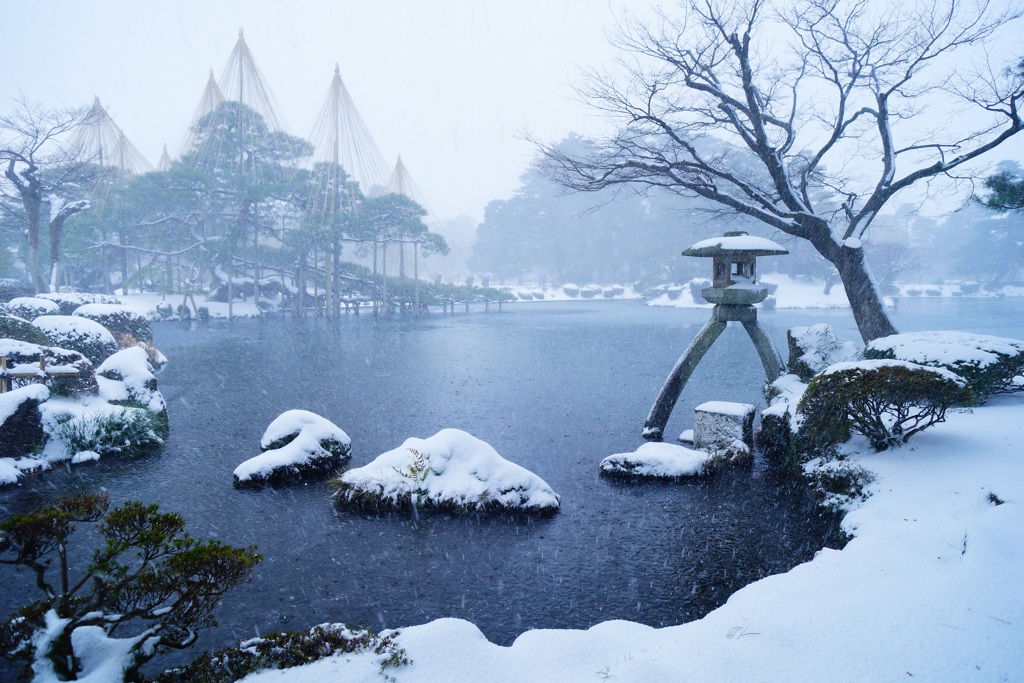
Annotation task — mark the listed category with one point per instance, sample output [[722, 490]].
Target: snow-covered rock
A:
[[21, 423], [86, 336], [127, 377], [814, 348], [452, 470], [657, 460], [296, 445], [991, 365]]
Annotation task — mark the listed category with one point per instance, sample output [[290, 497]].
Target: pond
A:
[[554, 387]]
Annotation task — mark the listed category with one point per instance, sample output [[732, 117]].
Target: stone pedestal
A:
[[716, 424]]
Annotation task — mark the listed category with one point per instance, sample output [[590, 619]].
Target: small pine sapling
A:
[[150, 584]]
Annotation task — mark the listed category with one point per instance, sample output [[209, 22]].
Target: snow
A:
[[852, 243], [306, 449], [64, 326], [10, 401], [821, 347], [103, 659], [726, 408], [454, 469], [658, 460], [948, 348], [928, 589], [89, 310], [31, 303], [875, 364], [128, 376], [739, 243]]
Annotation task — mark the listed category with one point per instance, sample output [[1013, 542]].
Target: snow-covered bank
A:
[[928, 589]]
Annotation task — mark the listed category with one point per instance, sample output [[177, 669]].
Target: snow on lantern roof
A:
[[737, 244]]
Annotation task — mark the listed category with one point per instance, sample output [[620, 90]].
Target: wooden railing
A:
[[41, 374]]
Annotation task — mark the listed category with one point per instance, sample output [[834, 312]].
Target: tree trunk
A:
[[865, 299]]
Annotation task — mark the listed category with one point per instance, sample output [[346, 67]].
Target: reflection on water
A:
[[552, 387]]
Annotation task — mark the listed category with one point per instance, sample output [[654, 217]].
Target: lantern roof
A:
[[736, 243]]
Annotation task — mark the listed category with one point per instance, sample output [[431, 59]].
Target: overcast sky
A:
[[447, 84]]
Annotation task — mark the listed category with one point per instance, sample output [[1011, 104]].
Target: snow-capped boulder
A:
[[21, 423], [657, 460], [29, 307], [127, 377], [452, 470], [24, 357], [298, 444], [119, 319], [86, 336], [814, 348], [991, 365]]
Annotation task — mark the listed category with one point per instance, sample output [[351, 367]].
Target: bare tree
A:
[[40, 171], [754, 106]]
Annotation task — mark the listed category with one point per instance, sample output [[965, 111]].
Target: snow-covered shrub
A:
[[164, 311], [970, 287], [15, 327], [838, 483], [125, 431], [298, 444], [154, 583], [814, 348], [29, 307], [285, 650], [12, 289], [24, 357], [69, 301], [991, 365], [203, 313], [590, 291], [88, 337], [452, 470], [933, 292], [571, 290], [886, 401], [674, 292], [120, 320]]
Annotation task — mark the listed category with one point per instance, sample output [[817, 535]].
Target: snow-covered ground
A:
[[928, 589]]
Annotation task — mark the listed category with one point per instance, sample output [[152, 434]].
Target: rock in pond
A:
[[297, 445], [451, 471]]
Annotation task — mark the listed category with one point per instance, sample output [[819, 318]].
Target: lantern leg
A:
[[770, 358], [666, 401]]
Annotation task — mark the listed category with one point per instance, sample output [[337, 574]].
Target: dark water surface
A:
[[553, 387]]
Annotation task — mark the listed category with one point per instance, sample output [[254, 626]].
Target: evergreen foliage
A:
[[885, 401], [148, 577]]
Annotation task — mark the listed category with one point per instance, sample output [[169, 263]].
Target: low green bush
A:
[[886, 401]]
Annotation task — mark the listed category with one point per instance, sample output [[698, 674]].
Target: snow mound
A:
[[127, 376], [657, 460], [452, 470], [29, 307], [296, 445]]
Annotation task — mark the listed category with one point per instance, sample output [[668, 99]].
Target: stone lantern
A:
[[734, 290]]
